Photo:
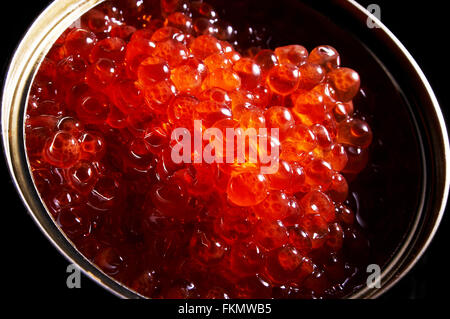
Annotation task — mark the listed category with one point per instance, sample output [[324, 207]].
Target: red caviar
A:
[[98, 132]]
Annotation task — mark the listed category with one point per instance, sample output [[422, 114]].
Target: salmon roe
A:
[[99, 126]]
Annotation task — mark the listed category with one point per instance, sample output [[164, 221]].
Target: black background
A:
[[33, 267]]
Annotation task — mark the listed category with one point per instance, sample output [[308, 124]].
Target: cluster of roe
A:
[[98, 133]]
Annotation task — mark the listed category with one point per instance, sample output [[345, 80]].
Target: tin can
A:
[[420, 116]]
